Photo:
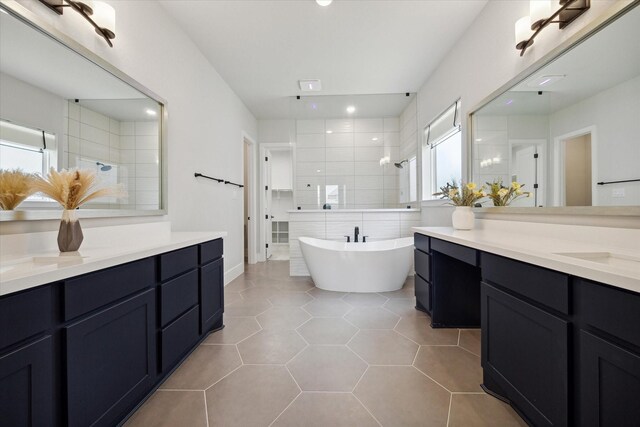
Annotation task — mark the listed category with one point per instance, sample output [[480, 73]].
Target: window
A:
[[442, 152]]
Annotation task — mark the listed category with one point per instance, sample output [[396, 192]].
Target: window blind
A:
[[445, 125], [22, 136]]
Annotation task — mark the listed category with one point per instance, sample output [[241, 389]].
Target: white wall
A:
[[206, 118], [483, 60], [408, 149]]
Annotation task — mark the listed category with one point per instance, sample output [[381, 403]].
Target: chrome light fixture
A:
[[100, 15], [540, 17]]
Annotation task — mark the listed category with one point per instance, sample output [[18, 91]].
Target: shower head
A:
[[399, 164], [103, 167]]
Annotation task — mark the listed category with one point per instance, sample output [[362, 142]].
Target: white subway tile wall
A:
[[130, 148], [347, 153]]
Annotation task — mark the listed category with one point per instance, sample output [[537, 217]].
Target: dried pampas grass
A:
[[15, 186], [73, 188]]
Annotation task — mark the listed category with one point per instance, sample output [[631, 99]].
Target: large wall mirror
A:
[[355, 151], [63, 108], [569, 131]]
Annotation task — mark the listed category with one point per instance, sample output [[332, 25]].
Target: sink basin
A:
[[607, 258]]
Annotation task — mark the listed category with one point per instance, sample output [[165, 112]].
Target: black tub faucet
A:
[[356, 232]]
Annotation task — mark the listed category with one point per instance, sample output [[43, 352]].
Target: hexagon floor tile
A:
[[251, 396], [283, 318], [322, 294], [327, 368], [246, 308], [235, 330], [290, 299], [325, 409], [206, 365], [453, 367], [271, 347], [470, 339], [171, 408], [365, 300], [372, 318], [482, 410], [419, 330], [396, 396], [327, 307], [404, 307], [327, 330], [383, 347]]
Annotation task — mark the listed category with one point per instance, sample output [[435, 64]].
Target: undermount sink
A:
[[607, 258]]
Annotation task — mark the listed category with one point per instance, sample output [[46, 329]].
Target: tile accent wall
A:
[[130, 148], [335, 225], [342, 157]]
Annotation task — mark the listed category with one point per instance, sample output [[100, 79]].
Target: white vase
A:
[[463, 218]]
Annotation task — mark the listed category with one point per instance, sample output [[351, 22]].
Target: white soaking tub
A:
[[380, 266]]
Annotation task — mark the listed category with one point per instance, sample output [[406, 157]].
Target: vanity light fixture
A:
[[324, 2], [540, 17], [99, 14], [351, 109]]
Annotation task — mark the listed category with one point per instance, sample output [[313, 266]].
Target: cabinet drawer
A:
[[422, 264], [178, 338], [211, 295], [423, 294], [178, 295], [611, 310], [27, 314], [177, 262], [210, 251], [541, 285], [93, 290], [461, 253], [420, 241]]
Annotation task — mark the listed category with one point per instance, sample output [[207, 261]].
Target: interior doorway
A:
[[277, 198], [577, 171], [527, 167], [250, 220]]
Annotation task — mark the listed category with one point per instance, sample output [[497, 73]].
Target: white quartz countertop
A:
[[611, 257], [338, 210], [23, 271]]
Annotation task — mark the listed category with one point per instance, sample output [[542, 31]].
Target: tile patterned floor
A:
[[295, 355]]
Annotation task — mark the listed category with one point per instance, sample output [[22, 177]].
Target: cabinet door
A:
[[423, 294], [525, 353], [609, 383], [26, 385], [211, 295], [111, 361]]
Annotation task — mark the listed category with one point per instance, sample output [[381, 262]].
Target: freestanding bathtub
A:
[[380, 266]]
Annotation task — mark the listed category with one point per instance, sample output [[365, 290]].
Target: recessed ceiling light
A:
[[150, 112], [318, 170], [310, 85], [351, 109], [374, 139], [478, 139], [509, 102], [329, 131], [324, 2]]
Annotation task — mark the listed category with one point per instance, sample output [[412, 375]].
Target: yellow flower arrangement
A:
[[468, 197], [502, 196]]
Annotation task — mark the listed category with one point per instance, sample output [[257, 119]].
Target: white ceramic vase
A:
[[463, 218]]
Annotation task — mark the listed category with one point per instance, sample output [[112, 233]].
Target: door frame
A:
[[274, 146], [252, 255], [542, 177], [559, 143]]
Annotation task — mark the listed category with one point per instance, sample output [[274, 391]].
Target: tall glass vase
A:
[[70, 234]]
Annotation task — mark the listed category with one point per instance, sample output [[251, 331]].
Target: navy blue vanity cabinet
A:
[[526, 338], [179, 298], [211, 286], [455, 286], [27, 391], [422, 265], [111, 361], [608, 355]]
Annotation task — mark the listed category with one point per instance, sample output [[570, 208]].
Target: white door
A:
[[527, 168], [268, 223]]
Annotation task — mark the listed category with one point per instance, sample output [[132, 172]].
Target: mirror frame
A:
[[29, 18], [595, 26]]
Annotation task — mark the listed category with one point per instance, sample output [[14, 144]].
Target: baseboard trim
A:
[[232, 273]]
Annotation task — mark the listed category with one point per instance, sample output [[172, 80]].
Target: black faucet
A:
[[356, 232]]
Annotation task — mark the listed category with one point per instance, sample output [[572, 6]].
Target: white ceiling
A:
[[262, 48]]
